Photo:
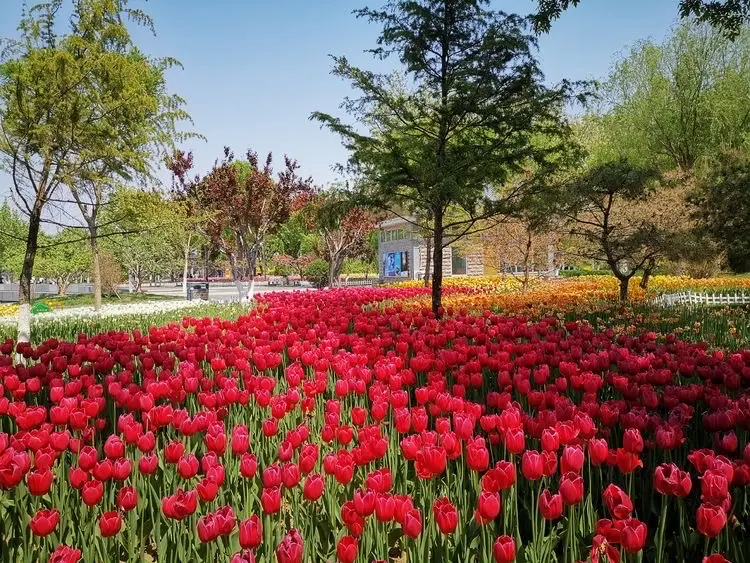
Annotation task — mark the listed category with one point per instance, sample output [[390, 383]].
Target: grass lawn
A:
[[68, 301]]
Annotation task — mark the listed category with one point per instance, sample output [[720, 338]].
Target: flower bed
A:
[[351, 425]]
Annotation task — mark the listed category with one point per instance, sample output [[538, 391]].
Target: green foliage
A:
[[63, 258], [294, 237], [606, 205], [461, 120], [723, 206], [358, 266], [726, 15], [12, 232], [676, 103], [317, 272], [40, 307], [138, 233]]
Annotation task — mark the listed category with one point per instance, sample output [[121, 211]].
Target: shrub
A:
[[317, 272]]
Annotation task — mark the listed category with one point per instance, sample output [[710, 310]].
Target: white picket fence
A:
[[699, 298]]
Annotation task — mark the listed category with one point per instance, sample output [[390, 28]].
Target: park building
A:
[[402, 252]]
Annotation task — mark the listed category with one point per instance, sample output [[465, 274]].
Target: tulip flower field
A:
[[352, 425]]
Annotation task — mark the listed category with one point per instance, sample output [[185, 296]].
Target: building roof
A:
[[396, 221]]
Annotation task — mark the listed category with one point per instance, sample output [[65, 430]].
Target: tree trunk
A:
[[252, 258], [236, 277], [428, 262], [647, 271], [185, 267], [526, 260], [334, 269], [624, 288], [62, 286], [550, 259], [96, 269], [27, 270], [437, 276]]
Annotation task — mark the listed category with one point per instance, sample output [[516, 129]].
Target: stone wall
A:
[[475, 264]]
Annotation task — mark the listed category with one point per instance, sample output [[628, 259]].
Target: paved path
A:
[[216, 292]]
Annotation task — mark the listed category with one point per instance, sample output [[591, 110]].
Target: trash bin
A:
[[197, 290]]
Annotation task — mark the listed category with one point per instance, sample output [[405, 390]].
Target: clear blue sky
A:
[[256, 69]]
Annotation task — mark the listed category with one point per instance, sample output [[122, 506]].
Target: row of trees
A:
[[243, 207], [146, 234], [469, 137]]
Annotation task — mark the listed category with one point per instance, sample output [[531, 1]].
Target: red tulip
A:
[[270, 500], [446, 515], [207, 489], [92, 492], [187, 466], [109, 524], [571, 488], [601, 546], [710, 520], [44, 522], [385, 507], [314, 485], [148, 464], [477, 455], [618, 503], [114, 447], [412, 523], [549, 463], [240, 439], [572, 459], [550, 506], [627, 462], [291, 548], [290, 475], [251, 532], [488, 505], [346, 549], [632, 441], [180, 505], [598, 451], [670, 480], [715, 558], [633, 535], [272, 476], [531, 465], [248, 465], [65, 554], [504, 549], [174, 451], [244, 556], [127, 498], [514, 439], [714, 487], [208, 529], [39, 482], [550, 440]]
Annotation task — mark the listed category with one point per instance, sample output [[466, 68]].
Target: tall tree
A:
[[727, 15], [74, 106], [245, 202], [460, 124]]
